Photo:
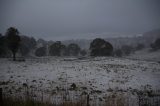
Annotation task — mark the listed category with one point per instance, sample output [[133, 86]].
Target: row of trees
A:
[[59, 49], [98, 47], [12, 42], [127, 50]]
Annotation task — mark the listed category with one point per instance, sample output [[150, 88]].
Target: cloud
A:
[[63, 18]]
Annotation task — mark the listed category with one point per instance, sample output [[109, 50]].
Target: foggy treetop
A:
[[69, 19]]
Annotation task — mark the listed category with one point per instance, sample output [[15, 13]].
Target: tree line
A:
[[12, 42]]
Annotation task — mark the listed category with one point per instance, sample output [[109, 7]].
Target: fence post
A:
[[88, 100], [1, 98]]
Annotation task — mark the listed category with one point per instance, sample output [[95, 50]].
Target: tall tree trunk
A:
[[14, 56]]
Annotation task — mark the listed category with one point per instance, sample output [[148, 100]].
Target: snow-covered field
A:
[[94, 75]]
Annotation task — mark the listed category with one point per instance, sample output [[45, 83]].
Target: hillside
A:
[[146, 54]]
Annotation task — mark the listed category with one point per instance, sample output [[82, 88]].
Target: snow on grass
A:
[[94, 74]]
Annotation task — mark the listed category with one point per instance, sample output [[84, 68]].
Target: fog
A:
[[73, 19]]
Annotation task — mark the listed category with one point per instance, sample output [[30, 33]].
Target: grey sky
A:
[[69, 19]]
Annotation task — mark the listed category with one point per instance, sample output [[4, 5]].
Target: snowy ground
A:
[[94, 75]]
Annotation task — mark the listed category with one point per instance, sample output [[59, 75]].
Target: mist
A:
[[79, 52], [79, 19]]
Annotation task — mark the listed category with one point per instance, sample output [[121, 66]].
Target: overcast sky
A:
[[69, 19]]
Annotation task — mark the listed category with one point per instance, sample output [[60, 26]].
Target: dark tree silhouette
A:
[[40, 52], [73, 49], [99, 47], [56, 48], [13, 40]]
